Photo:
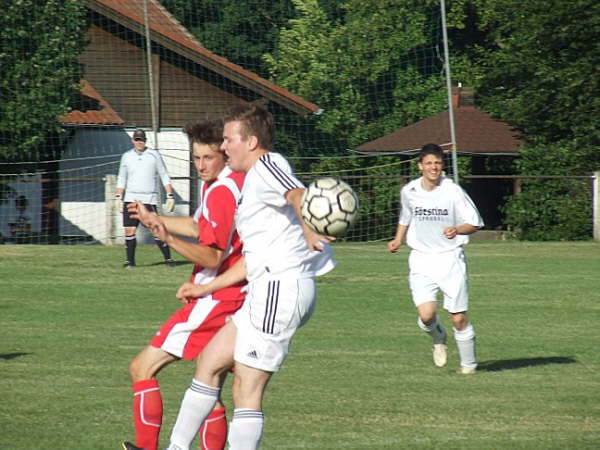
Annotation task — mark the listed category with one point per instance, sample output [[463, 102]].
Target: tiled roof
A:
[[476, 132], [93, 109], [167, 31]]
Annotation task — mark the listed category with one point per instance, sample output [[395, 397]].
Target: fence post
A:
[[596, 203], [110, 186]]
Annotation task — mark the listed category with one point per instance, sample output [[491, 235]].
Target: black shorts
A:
[[128, 221]]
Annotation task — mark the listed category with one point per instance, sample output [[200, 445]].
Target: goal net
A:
[[343, 80]]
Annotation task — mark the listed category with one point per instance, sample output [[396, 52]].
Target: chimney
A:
[[456, 96], [462, 96]]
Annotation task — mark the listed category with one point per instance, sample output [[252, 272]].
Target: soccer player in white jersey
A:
[[436, 218], [281, 256], [136, 182], [188, 330]]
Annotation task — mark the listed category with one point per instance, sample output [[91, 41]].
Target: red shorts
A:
[[188, 331]]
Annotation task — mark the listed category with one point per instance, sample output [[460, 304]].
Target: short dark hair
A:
[[255, 121], [431, 149], [207, 132]]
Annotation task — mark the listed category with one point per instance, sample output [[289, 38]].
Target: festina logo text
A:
[[430, 211]]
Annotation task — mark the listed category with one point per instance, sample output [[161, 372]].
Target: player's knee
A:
[[426, 319], [138, 370], [134, 369], [459, 320]]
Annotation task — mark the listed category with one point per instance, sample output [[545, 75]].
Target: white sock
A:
[[434, 329], [465, 341], [245, 430], [198, 401]]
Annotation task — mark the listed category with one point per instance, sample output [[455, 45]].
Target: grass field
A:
[[359, 375]]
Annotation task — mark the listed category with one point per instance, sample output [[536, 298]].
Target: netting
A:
[[338, 78]]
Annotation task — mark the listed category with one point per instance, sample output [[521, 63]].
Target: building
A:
[[478, 135], [124, 89]]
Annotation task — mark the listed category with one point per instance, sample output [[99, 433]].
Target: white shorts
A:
[[446, 272], [274, 309]]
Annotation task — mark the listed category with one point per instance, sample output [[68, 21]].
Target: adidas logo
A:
[[252, 354]]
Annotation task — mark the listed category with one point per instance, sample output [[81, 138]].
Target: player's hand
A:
[[189, 291], [394, 245], [170, 203], [138, 211], [314, 240], [450, 232], [159, 230], [119, 200]]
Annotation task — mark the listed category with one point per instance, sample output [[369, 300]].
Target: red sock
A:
[[147, 413], [213, 432]]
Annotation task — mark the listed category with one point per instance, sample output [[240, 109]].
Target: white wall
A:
[[93, 153]]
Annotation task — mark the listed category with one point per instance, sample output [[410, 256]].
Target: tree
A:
[[542, 78], [360, 64], [239, 31], [39, 72], [543, 75]]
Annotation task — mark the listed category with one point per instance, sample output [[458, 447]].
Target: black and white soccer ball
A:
[[329, 206]]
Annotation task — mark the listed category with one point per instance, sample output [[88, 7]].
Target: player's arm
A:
[[314, 240], [181, 225], [121, 182], [403, 223], [467, 212], [396, 243], [234, 275], [465, 228], [208, 257]]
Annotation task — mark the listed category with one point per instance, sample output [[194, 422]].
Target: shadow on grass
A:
[[162, 263], [13, 355], [511, 364]]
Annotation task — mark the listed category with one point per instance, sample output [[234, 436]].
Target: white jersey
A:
[[137, 175], [271, 233], [427, 213]]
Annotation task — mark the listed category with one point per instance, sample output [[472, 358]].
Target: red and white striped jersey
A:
[[216, 228]]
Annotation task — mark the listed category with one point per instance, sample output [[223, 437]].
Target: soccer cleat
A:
[[170, 262], [440, 354], [467, 370], [128, 265], [129, 446]]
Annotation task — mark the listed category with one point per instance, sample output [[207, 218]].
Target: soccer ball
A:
[[329, 206]]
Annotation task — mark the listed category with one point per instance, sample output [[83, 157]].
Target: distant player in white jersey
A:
[[136, 182], [436, 218], [281, 256]]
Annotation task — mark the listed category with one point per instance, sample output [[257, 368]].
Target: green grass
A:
[[359, 375]]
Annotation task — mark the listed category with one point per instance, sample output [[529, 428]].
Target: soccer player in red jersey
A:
[[188, 330]]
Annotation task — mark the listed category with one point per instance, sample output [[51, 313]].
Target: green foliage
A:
[[39, 71], [541, 76], [239, 31], [371, 68], [534, 64], [552, 209]]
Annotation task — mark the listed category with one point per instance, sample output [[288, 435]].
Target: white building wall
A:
[[94, 153]]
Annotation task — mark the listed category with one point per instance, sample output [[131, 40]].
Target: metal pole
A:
[[150, 74], [596, 207], [151, 83], [449, 89]]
